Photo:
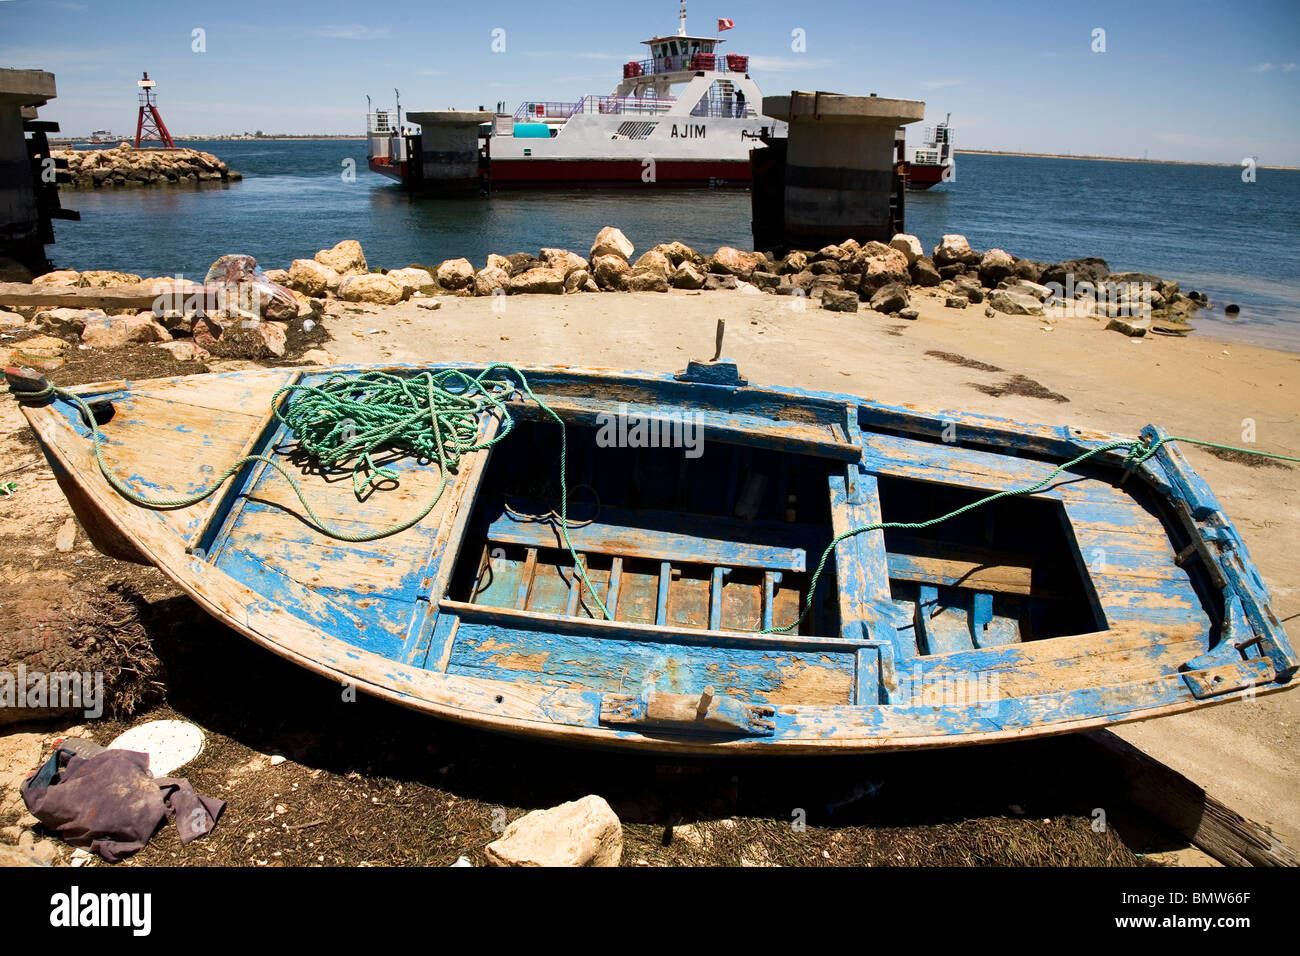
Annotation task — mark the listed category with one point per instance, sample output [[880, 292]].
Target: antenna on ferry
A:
[[398, 96], [681, 24]]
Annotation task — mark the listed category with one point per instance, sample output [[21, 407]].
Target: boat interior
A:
[[704, 557]]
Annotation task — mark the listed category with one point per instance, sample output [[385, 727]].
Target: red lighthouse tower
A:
[[150, 125]]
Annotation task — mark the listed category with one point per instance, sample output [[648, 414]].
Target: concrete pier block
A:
[[839, 172], [448, 163]]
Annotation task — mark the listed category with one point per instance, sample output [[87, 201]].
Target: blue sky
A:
[[1207, 81]]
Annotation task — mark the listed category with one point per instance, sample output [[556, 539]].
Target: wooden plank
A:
[[1185, 806], [140, 297], [653, 545]]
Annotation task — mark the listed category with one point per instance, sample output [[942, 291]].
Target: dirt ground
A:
[[369, 783]]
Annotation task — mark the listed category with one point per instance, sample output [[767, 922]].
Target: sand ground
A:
[[1247, 754]]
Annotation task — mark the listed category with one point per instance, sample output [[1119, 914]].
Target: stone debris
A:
[[841, 276], [583, 832], [125, 166]]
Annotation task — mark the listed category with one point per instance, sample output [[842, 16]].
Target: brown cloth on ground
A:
[[111, 803]]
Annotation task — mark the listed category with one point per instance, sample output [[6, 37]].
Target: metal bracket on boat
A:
[[717, 370], [706, 712], [1229, 677]]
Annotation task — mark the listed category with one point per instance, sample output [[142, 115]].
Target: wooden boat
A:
[[1113, 593]]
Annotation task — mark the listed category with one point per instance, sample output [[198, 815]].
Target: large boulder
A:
[[611, 242], [580, 280], [714, 282], [794, 262], [415, 280], [1015, 302], [1090, 269], [679, 252], [729, 261], [518, 262], [1040, 292], [42, 352], [1028, 269], [563, 260], [687, 276], [246, 293], [12, 321], [610, 272], [655, 261], [1132, 326], [491, 278], [372, 287], [996, 265], [67, 321], [909, 246], [924, 274], [106, 279], [583, 832], [839, 300], [58, 277], [455, 274], [880, 265], [540, 281], [118, 330], [312, 278], [495, 261], [890, 298], [346, 258], [953, 248], [647, 280]]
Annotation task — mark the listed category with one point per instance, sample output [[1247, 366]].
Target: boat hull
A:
[[414, 618]]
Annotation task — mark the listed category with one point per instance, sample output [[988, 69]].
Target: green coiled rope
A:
[[434, 415]]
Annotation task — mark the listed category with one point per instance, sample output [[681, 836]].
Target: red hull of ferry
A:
[[923, 177]]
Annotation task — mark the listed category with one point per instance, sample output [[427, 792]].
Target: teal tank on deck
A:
[[532, 131]]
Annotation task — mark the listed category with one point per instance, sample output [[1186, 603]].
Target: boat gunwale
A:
[[383, 677]]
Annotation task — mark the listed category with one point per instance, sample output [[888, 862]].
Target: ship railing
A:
[[380, 123], [719, 101], [687, 63], [622, 105], [537, 110]]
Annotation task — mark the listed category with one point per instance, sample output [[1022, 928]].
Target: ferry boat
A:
[[101, 136], [687, 114], [931, 162]]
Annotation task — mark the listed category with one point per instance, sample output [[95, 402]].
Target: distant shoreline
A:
[[1113, 159]]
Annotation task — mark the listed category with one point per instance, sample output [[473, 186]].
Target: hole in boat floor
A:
[[723, 540], [1004, 573]]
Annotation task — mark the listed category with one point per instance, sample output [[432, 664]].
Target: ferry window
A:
[[672, 47]]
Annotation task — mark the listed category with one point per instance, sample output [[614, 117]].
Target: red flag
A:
[[724, 24]]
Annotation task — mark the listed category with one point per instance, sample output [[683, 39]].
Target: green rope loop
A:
[[433, 415]]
